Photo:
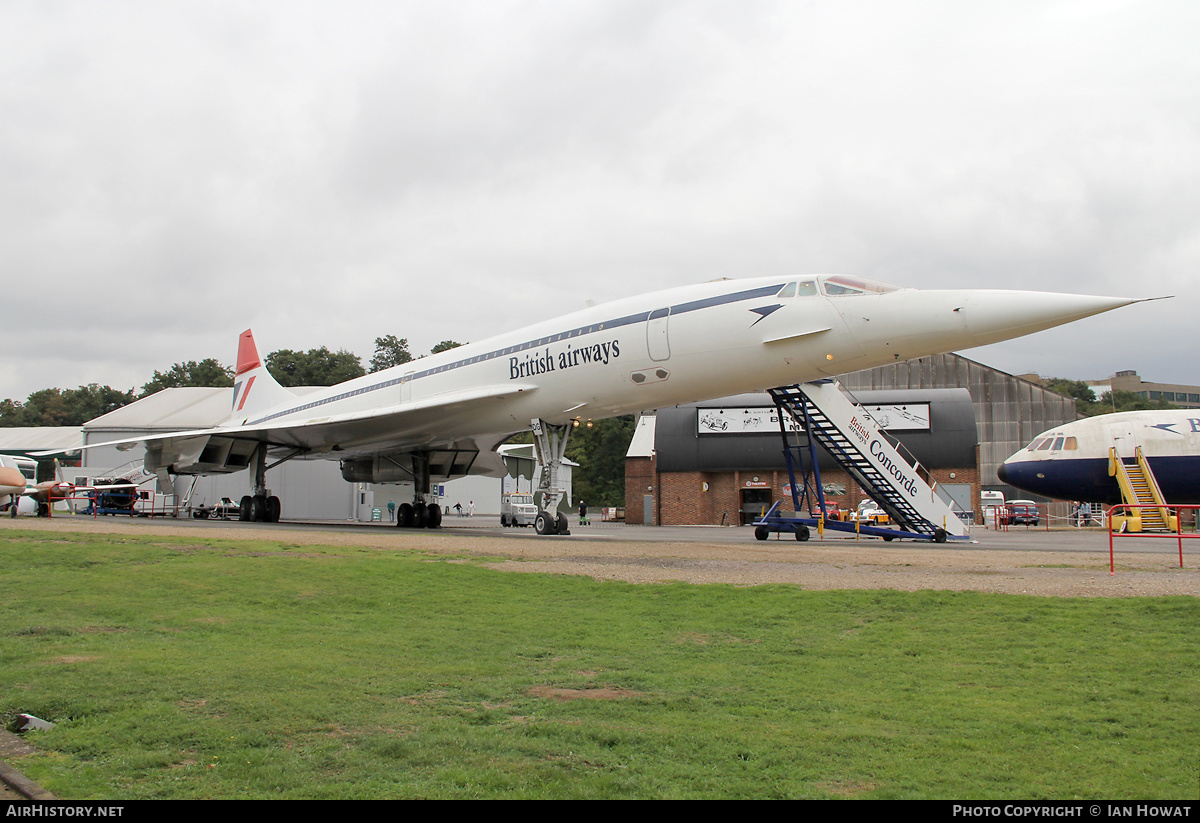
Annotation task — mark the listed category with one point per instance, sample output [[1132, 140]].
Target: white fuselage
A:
[[1071, 462], [662, 349]]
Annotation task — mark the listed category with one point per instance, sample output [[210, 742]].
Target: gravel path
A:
[[732, 557]]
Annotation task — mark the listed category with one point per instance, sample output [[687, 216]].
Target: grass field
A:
[[181, 668]]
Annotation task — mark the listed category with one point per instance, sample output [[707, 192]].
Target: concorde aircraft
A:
[[1071, 462], [443, 416]]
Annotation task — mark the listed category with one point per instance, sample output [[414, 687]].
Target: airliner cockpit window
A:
[[805, 288], [1035, 445], [844, 284]]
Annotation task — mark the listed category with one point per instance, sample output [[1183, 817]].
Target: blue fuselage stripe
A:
[[591, 328]]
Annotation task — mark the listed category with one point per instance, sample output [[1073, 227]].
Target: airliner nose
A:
[[1002, 473], [993, 316]]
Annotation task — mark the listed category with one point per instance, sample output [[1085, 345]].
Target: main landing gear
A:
[[262, 506], [551, 444], [419, 514]]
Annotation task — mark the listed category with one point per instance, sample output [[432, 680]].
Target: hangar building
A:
[[681, 470]]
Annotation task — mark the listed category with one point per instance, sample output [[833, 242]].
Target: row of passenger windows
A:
[[1053, 444]]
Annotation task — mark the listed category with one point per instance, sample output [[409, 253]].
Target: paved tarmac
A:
[[1019, 538]]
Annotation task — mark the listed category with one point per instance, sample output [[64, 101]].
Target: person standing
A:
[[392, 511]]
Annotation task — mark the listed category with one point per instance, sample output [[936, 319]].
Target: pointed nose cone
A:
[[993, 316]]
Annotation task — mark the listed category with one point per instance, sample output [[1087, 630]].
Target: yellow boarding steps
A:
[[1139, 489]]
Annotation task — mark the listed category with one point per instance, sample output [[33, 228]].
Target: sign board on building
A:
[[907, 417]]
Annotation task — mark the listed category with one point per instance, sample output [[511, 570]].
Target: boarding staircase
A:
[[1140, 492], [853, 439]]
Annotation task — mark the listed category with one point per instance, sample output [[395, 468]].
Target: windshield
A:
[[839, 284]]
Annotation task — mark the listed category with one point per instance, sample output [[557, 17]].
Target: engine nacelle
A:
[[378, 469]]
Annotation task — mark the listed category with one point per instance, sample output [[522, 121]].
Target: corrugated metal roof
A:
[[176, 409], [181, 408], [21, 439]]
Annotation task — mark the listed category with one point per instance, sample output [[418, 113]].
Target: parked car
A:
[[869, 511], [226, 509], [1021, 512]]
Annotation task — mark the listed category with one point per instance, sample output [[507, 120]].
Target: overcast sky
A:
[[172, 173]]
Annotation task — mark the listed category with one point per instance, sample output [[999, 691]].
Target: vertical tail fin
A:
[[254, 389]]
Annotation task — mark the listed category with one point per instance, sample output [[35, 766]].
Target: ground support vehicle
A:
[[225, 509], [517, 510]]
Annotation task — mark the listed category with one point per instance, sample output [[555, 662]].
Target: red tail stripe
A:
[[247, 357]]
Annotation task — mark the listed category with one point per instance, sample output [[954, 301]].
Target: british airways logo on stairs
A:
[[860, 431]]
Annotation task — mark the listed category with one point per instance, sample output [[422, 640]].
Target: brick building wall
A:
[[681, 499]]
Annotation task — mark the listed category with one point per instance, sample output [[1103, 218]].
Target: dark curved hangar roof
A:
[[742, 432]]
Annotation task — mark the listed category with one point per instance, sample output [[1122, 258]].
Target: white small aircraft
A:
[[1071, 462], [20, 491], [14, 481], [443, 416]]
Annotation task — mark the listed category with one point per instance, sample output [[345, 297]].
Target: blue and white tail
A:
[[255, 391]]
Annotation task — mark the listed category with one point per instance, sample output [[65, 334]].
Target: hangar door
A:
[[957, 496]]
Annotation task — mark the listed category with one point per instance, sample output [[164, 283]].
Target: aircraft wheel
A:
[[939, 536], [561, 526], [543, 524], [404, 516], [274, 509], [433, 516], [761, 533], [258, 509], [420, 515], [802, 533], [887, 538], [244, 508]]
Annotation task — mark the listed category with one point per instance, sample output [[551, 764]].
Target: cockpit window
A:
[[1071, 443], [1045, 444], [1035, 445], [840, 284], [805, 288]]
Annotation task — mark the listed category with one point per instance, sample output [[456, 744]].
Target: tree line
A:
[[315, 367], [1088, 405]]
